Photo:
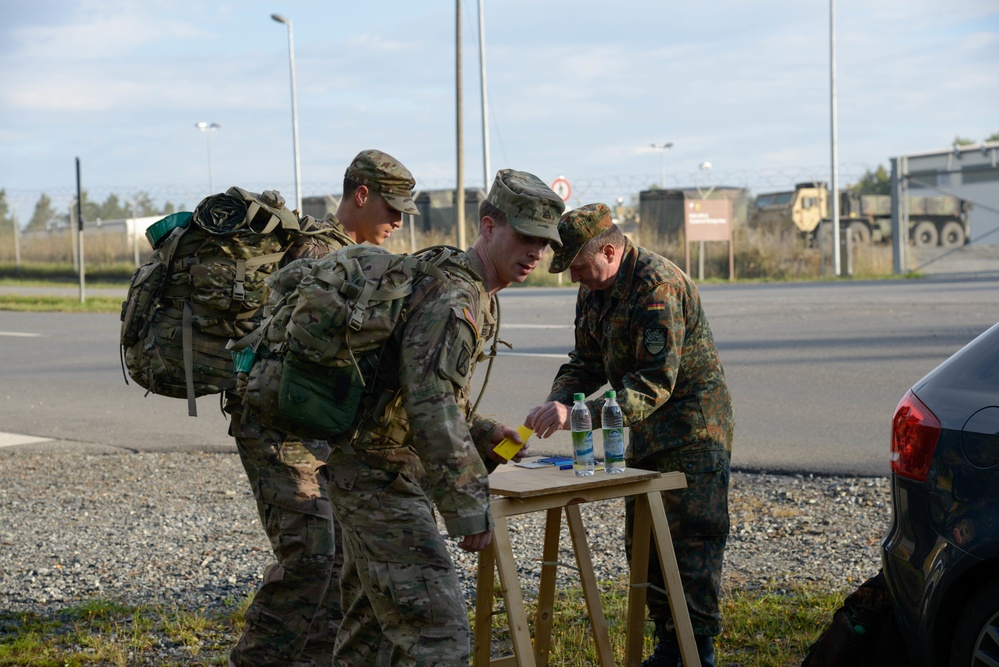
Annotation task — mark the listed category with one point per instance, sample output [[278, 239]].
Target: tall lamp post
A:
[[294, 108], [661, 149], [208, 129]]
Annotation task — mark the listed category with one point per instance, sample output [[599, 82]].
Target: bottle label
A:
[[614, 445], [582, 445]]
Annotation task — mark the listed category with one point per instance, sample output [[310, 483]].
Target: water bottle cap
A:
[[610, 393], [579, 397]]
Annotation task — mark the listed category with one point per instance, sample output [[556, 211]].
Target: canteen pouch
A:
[[322, 399]]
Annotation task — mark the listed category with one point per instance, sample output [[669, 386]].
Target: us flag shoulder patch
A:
[[470, 318]]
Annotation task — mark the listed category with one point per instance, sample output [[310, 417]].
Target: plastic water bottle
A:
[[613, 425], [582, 437]]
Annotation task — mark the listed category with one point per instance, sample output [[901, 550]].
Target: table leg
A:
[[591, 592], [640, 543], [671, 575], [483, 633], [520, 633], [543, 620]]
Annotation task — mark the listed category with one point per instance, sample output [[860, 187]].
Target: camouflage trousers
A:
[[403, 603], [294, 616], [699, 524]]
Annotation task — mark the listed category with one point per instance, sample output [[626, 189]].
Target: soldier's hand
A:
[[498, 436], [476, 542], [524, 452], [547, 418]]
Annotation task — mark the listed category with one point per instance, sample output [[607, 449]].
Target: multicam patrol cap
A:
[[576, 227], [531, 207], [387, 176]]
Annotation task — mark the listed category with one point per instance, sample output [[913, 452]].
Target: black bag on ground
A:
[[863, 632]]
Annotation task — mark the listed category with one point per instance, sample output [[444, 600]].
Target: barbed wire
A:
[[585, 189]]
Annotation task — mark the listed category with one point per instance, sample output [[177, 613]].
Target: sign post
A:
[[708, 220]]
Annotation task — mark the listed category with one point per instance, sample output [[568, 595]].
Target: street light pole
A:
[[834, 149], [208, 128], [294, 108], [661, 149]]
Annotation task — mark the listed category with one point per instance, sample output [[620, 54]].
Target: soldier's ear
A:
[[609, 252], [361, 195], [487, 226]]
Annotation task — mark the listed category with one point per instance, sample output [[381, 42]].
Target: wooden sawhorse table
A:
[[523, 490]]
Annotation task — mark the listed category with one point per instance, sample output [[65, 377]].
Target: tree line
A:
[[112, 208]]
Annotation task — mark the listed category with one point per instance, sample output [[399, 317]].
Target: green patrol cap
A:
[[387, 176], [531, 207], [576, 227]]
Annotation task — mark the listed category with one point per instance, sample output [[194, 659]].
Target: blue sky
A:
[[579, 89]]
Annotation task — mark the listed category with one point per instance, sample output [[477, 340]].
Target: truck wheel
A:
[[860, 232], [924, 234], [976, 638], [952, 234]]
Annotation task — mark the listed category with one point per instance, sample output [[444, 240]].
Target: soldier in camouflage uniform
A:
[[403, 603], [640, 327], [295, 615]]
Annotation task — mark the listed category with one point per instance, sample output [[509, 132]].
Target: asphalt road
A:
[[815, 370]]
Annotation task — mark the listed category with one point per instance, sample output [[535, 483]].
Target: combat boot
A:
[[705, 650], [667, 650]]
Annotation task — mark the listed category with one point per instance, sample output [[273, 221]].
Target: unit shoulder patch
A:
[[654, 339]]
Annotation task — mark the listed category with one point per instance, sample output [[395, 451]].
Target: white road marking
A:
[[505, 326], [21, 334], [533, 354], [11, 439]]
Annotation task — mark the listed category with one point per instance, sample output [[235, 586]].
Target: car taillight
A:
[[914, 434]]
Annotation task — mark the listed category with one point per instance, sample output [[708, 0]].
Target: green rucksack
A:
[[204, 285], [316, 356]]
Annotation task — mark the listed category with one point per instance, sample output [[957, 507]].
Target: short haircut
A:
[[350, 187], [487, 208], [612, 235]]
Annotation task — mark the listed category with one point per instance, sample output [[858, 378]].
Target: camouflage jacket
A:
[[429, 432], [317, 247], [648, 337]]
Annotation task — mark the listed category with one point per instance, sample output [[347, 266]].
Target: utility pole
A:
[[459, 195], [486, 172], [835, 152]]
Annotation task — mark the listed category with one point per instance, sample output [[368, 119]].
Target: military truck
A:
[[933, 220]]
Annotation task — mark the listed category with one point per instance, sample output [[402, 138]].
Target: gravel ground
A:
[[181, 530]]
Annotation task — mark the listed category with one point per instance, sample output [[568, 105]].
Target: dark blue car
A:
[[941, 553]]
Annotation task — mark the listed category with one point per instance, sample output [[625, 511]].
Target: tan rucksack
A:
[[319, 349], [204, 285]]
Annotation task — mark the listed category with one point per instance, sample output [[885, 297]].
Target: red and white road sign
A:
[[562, 188]]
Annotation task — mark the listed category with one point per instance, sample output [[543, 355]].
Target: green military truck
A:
[[933, 220]]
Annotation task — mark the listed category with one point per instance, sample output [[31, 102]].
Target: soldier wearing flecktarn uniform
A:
[[403, 603], [641, 328], [295, 615]]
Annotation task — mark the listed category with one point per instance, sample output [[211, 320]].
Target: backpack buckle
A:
[[357, 317]]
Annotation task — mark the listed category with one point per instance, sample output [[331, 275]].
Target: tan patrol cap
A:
[[531, 207], [387, 176]]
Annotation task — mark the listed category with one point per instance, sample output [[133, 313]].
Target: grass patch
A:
[[770, 628], [115, 274], [60, 304]]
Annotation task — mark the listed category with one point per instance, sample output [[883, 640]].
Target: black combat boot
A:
[[705, 650], [667, 650]]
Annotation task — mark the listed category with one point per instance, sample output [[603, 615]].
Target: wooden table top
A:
[[513, 481]]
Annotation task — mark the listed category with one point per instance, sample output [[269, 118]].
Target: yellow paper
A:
[[508, 448]]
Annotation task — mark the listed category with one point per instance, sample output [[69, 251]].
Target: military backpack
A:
[[202, 286], [311, 367]]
